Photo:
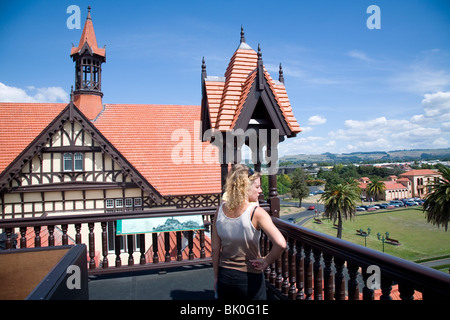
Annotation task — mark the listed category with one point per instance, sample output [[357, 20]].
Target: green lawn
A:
[[418, 239]]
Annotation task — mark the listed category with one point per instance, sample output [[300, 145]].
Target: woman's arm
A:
[[264, 222]]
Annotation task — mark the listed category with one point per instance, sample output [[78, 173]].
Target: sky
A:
[[358, 80]]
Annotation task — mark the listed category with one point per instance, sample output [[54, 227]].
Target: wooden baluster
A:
[[37, 237], [179, 246], [300, 271], [105, 262], [318, 277], [308, 273], [353, 287], [386, 288], [273, 269], [91, 246], [130, 247], [142, 249], [367, 293], [406, 291], [328, 276], [23, 237], [202, 244], [191, 244], [117, 246], [51, 236], [339, 280], [155, 247], [167, 246], [78, 233], [65, 237], [279, 277], [9, 241], [292, 294], [285, 271]]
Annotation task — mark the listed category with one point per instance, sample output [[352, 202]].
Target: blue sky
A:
[[352, 88]]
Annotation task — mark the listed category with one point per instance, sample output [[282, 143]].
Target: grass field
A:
[[418, 239]]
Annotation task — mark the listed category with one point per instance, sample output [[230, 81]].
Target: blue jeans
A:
[[239, 285]]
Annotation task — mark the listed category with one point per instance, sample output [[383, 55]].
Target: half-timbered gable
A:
[[72, 167]]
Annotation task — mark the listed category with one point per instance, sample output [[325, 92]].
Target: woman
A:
[[238, 265]]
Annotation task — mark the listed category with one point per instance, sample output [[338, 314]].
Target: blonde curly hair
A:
[[238, 183]]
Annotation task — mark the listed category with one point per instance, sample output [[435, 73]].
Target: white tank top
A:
[[239, 239]]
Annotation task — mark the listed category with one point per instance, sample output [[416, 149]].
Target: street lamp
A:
[[382, 238], [365, 235]]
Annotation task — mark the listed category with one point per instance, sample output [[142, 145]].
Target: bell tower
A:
[[88, 58]]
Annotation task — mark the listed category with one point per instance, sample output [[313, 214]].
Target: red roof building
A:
[[90, 157]]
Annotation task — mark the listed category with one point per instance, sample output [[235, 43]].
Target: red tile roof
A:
[[149, 135], [88, 36], [393, 185], [419, 172], [146, 135], [20, 124], [226, 98]]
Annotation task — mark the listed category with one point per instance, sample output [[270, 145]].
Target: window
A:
[[128, 202], [67, 162], [137, 202], [78, 165], [109, 203], [73, 162], [119, 203]]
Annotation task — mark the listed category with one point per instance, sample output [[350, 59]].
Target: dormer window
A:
[[73, 161]]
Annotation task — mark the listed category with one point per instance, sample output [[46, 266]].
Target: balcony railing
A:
[[313, 266]]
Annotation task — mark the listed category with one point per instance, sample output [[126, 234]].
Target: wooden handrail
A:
[[424, 279], [304, 270]]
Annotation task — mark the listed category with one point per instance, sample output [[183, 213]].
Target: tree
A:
[[376, 188], [340, 202], [299, 189], [437, 201]]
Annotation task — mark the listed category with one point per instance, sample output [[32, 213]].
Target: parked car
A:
[[311, 207], [360, 209], [383, 205], [397, 203]]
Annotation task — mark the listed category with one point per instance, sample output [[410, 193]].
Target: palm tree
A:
[[376, 188], [437, 201], [340, 202]]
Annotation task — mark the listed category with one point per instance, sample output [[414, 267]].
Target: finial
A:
[[203, 68], [259, 52], [71, 94], [242, 34], [89, 13], [280, 74]]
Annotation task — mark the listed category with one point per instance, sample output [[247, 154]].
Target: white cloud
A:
[[32, 94], [436, 104], [387, 134], [421, 79], [359, 55], [316, 120]]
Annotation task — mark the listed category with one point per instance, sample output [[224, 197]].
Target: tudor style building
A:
[[88, 157]]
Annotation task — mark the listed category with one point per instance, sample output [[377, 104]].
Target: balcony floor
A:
[[183, 283]]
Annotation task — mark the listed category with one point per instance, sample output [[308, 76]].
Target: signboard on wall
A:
[[160, 224]]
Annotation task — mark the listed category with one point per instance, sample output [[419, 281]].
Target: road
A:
[[304, 215]]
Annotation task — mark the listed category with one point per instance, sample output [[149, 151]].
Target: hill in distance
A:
[[375, 156]]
